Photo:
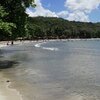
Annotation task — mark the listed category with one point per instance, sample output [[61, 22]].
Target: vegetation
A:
[[5, 27], [53, 28], [13, 18]]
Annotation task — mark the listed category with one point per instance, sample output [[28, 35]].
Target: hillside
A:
[[50, 27]]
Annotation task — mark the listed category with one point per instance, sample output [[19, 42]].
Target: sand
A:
[[7, 93]]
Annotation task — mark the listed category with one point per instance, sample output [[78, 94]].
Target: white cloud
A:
[[63, 14], [29, 12], [78, 16], [40, 11], [82, 5], [81, 8], [77, 10]]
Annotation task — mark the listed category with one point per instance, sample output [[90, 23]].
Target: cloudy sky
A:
[[78, 10]]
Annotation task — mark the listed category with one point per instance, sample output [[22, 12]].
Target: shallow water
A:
[[55, 70]]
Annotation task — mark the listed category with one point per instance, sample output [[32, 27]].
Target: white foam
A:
[[38, 45], [51, 49], [3, 45]]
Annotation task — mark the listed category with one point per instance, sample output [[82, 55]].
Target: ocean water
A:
[[55, 70]]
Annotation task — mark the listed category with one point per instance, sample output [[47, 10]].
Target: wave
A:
[[38, 45], [52, 49]]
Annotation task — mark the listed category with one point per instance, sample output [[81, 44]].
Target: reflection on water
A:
[[70, 73]]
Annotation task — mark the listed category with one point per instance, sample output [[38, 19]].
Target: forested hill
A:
[[50, 27]]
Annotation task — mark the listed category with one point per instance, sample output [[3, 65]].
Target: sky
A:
[[72, 10]]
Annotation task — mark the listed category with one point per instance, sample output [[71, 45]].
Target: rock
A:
[[7, 81]]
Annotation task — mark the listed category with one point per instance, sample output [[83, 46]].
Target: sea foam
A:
[[38, 45], [51, 49]]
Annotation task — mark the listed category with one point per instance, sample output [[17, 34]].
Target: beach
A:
[[7, 93], [46, 71]]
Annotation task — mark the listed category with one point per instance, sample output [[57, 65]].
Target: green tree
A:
[[16, 14], [5, 27]]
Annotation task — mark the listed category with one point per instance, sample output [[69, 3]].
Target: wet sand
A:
[[7, 93]]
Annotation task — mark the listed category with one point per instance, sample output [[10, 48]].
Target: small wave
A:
[[51, 49], [45, 48], [37, 45]]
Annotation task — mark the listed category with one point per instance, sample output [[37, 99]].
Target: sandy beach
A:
[[7, 93]]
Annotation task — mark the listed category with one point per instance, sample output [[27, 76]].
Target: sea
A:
[[54, 70]]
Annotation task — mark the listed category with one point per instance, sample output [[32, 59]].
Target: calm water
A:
[[55, 70]]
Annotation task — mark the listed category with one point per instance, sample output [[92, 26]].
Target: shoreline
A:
[[18, 42], [40, 40], [4, 43]]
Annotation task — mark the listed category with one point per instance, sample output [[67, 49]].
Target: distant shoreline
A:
[[5, 43]]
